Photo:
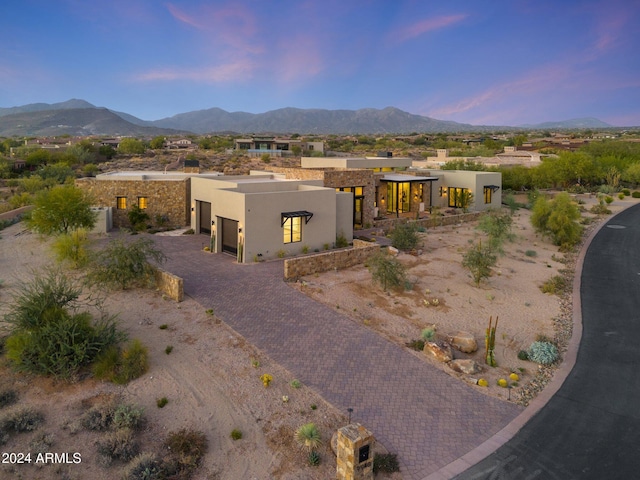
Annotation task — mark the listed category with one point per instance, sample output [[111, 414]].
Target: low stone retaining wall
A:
[[333, 260], [429, 222], [170, 284]]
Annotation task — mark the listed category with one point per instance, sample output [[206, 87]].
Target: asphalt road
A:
[[591, 428]]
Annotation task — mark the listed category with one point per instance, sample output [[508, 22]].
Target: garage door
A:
[[230, 236], [204, 222]]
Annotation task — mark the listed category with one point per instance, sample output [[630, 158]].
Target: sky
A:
[[484, 62]]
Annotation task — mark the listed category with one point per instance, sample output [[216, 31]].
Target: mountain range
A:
[[80, 118]]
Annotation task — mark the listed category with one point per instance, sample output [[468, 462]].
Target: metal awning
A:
[[494, 188], [397, 178], [300, 213]]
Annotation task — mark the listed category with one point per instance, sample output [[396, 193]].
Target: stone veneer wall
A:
[[333, 260], [170, 285], [165, 197], [337, 178], [431, 221]]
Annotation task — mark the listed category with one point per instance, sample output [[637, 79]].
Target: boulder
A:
[[440, 352], [466, 366], [393, 251], [463, 341]]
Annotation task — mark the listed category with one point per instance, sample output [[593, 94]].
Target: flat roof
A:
[[407, 178], [153, 175]]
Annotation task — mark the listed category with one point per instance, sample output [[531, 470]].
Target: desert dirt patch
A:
[[211, 379], [443, 295]]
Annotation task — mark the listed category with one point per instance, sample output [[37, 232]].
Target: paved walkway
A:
[[413, 409]]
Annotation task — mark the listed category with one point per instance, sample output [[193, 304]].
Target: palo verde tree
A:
[[386, 270], [61, 209], [497, 225], [479, 259], [122, 264], [557, 219]]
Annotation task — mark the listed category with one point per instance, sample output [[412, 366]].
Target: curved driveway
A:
[[428, 418], [590, 429]]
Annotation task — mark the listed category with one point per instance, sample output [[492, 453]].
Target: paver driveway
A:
[[415, 410]]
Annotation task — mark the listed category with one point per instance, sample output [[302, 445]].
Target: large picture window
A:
[[292, 227], [459, 197]]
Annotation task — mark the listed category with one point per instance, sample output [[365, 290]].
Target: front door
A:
[[230, 236], [204, 222]]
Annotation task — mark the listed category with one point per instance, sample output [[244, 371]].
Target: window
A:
[[292, 229], [459, 197], [487, 194], [121, 203], [142, 203]]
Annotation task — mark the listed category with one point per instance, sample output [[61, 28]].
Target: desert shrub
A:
[[558, 219], [313, 458], [555, 285], [608, 199], [386, 270], [121, 264], [168, 349], [620, 196], [479, 260], [405, 236], [497, 225], [145, 466], [138, 218], [531, 253], [122, 365], [295, 383], [427, 334], [21, 419], [544, 353], [162, 402], [308, 436], [341, 241], [118, 445], [386, 463], [523, 355], [417, 345], [72, 248], [626, 192], [99, 417], [128, 416], [8, 397], [187, 448], [600, 209], [236, 434]]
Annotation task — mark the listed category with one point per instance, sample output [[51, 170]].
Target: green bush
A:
[[138, 218], [531, 253], [417, 345], [626, 192], [308, 436], [556, 285], [427, 334], [341, 241], [558, 219], [128, 416], [608, 199], [405, 236], [523, 355], [620, 196], [99, 417], [386, 270], [313, 458], [236, 434], [72, 248], [544, 353], [122, 366], [162, 402], [121, 264], [479, 260], [635, 194]]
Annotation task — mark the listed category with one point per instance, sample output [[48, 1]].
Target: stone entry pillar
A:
[[355, 453]]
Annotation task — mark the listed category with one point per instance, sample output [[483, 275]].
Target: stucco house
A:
[[257, 146], [264, 216]]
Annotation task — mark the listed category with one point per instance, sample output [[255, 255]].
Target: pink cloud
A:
[[231, 72], [425, 26]]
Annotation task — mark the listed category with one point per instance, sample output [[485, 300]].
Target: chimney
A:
[[442, 153], [191, 166]]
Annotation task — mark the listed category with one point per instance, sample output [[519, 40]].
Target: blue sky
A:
[[494, 62]]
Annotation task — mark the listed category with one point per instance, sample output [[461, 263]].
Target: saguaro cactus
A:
[[490, 342]]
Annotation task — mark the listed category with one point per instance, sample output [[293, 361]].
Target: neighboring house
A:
[[180, 143], [277, 147], [509, 158], [262, 216]]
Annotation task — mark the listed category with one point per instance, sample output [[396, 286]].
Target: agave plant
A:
[[308, 436]]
